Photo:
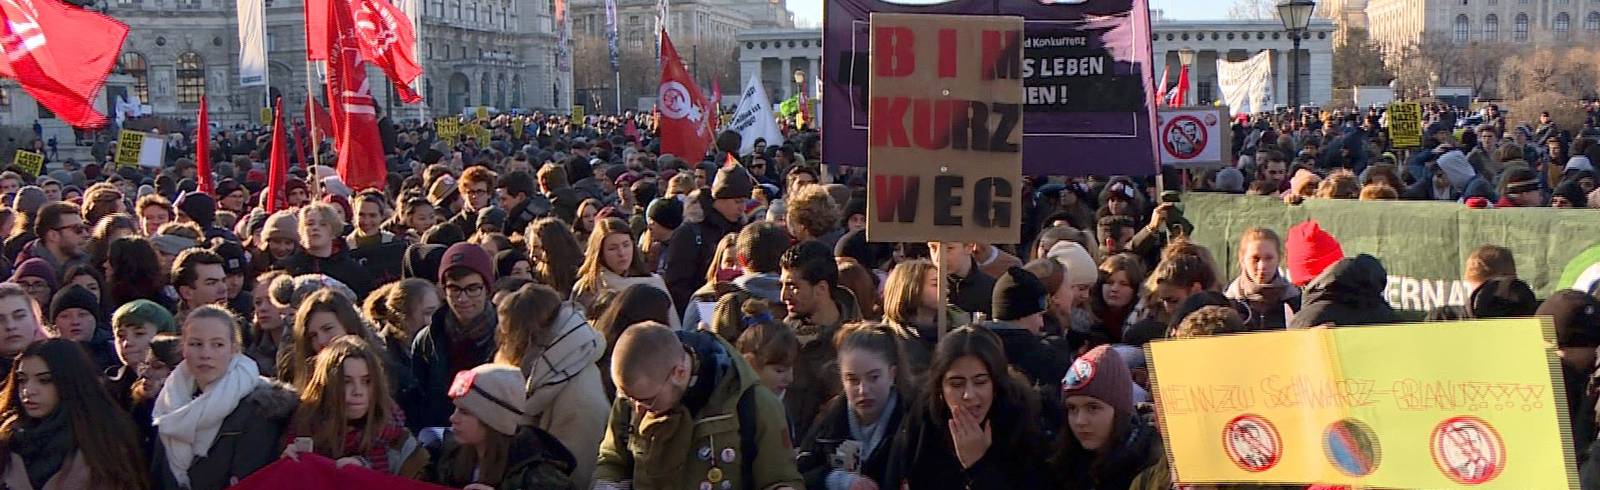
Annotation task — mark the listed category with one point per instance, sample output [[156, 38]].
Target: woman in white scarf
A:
[[611, 261], [217, 418]]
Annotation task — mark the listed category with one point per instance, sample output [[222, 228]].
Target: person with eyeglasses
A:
[[461, 335], [62, 234], [476, 187]]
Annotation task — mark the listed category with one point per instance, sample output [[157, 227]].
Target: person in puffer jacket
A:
[[1350, 292], [552, 343]]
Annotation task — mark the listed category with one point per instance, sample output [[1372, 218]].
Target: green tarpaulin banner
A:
[[1422, 245]]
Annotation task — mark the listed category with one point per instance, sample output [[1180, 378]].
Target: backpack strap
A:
[[747, 438]]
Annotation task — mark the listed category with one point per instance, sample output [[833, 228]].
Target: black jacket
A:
[[430, 366], [831, 428], [1350, 292], [974, 293], [1042, 364], [339, 266], [924, 457], [689, 253], [382, 261], [251, 437], [519, 217]]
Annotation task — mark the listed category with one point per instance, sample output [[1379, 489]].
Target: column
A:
[[1321, 84], [813, 73], [749, 66], [785, 79], [1284, 70], [1189, 95]]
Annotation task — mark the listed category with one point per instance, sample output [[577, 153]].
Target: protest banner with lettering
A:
[[1405, 124], [481, 112], [1432, 405], [945, 159], [1246, 86], [753, 118], [1423, 245], [129, 144], [1194, 137], [448, 128], [28, 162], [517, 126], [578, 112], [1086, 66]]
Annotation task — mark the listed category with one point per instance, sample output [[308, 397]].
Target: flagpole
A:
[[316, 142], [618, 74]]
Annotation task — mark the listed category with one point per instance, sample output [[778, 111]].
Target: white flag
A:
[[252, 44], [753, 119], [1247, 85]]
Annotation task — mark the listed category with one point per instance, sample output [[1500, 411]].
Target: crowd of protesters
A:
[[564, 306]]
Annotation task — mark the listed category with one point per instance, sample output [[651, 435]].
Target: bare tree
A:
[[1423, 65], [1479, 67], [1359, 62], [1253, 9]]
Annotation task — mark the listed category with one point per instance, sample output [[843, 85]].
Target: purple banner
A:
[[1086, 70]]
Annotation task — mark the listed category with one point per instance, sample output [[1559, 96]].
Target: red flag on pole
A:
[[388, 41], [300, 146], [60, 55], [355, 122], [316, 29], [683, 109], [1180, 94], [1161, 84], [318, 116], [277, 197], [202, 152]]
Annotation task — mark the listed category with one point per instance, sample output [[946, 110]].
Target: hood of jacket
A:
[[766, 286], [1350, 292], [573, 348], [275, 399]]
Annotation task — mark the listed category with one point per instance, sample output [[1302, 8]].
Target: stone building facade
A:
[[1529, 22]]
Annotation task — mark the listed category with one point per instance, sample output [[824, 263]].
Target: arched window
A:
[[1463, 31], [500, 91], [483, 89], [133, 65], [1519, 31], [1591, 24], [1562, 24], [191, 78], [516, 91], [1491, 28]]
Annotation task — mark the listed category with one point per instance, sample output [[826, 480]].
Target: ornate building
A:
[[1238, 40], [1532, 22]]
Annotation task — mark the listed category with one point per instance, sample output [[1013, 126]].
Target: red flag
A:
[[60, 55], [355, 122], [388, 41], [316, 29], [202, 152], [683, 109], [277, 197], [1180, 94], [631, 130], [1161, 85]]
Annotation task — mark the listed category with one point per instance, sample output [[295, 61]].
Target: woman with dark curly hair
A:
[[134, 272]]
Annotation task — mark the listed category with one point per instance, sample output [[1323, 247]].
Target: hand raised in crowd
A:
[[971, 436]]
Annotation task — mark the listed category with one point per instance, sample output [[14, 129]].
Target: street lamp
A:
[[799, 81], [1296, 17], [1185, 59]]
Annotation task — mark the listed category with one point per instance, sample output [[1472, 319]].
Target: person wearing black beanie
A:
[[75, 315], [1020, 300], [1576, 318]]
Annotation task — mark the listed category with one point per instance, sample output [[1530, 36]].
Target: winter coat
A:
[[1042, 364], [1139, 462], [339, 266], [1266, 309], [73, 475], [1349, 292], [431, 364], [251, 437], [382, 259], [925, 458], [816, 372], [973, 293], [403, 385], [689, 252], [565, 395], [537, 461], [520, 216], [680, 449], [831, 428]]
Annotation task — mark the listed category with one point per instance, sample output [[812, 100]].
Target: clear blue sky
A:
[[809, 12]]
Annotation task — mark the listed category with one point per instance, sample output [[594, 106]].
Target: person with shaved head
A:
[[690, 412]]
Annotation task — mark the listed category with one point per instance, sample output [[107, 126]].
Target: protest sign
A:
[[577, 113], [1194, 137], [1246, 86], [945, 158], [482, 112], [753, 118], [28, 162], [1423, 245], [1086, 68], [1408, 406], [448, 128], [1405, 124], [517, 126], [266, 116], [129, 144]]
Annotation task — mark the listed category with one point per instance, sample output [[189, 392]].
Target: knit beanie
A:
[[144, 311], [1520, 179], [1309, 250], [29, 199], [1576, 316], [171, 244], [732, 183], [234, 259], [1080, 266], [1230, 180], [1102, 375], [282, 224], [666, 212], [293, 183], [1017, 294], [468, 255], [35, 267], [74, 296], [227, 186], [507, 259], [493, 393], [1503, 297], [198, 206], [422, 261], [491, 216]]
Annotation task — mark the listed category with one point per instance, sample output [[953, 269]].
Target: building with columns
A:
[[775, 54], [1238, 40], [1346, 15], [1530, 22]]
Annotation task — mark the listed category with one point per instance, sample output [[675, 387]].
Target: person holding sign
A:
[[970, 428]]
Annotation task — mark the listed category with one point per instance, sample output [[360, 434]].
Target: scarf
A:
[[188, 424], [44, 446], [870, 436], [575, 348], [1271, 293], [387, 437]]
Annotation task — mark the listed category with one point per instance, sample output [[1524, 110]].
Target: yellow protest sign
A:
[[266, 116], [448, 128], [129, 144], [1405, 124], [517, 127], [483, 112], [1411, 406], [578, 113], [29, 162]]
